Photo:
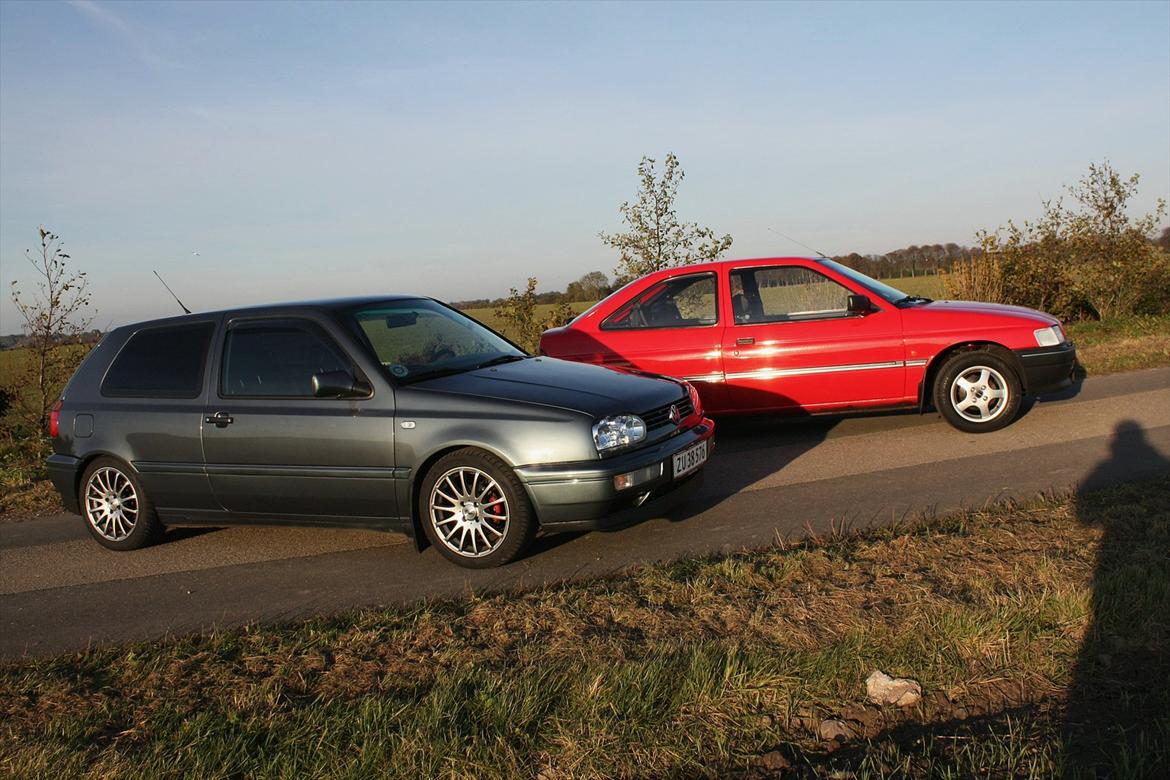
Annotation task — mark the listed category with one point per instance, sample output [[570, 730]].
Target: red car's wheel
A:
[[977, 391]]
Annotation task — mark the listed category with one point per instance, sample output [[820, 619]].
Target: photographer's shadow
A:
[[1118, 701]]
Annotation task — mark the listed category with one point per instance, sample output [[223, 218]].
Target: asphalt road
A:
[[769, 478]]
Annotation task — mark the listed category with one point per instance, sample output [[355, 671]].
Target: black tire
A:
[[977, 391], [109, 519], [461, 509]]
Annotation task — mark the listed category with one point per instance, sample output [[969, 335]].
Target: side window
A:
[[682, 302], [161, 363], [785, 293], [277, 359]]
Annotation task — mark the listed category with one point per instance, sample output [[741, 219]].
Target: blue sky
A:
[[455, 149]]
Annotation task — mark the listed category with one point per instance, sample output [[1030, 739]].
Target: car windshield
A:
[[422, 339], [885, 291]]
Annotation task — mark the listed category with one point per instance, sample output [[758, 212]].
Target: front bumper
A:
[[582, 496], [65, 473], [1048, 368]]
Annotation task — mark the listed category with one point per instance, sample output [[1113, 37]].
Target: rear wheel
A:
[[475, 511], [977, 391], [117, 511]]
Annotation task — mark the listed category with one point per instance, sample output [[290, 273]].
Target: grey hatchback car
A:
[[396, 413]]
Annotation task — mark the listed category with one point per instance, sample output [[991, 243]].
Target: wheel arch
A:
[[925, 387], [88, 458]]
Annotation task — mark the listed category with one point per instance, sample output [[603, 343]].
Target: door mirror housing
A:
[[339, 384], [860, 305]]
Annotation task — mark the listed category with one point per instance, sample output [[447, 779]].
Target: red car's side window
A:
[[785, 294], [679, 302]]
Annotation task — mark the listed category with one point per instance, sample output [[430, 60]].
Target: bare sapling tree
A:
[[656, 238], [56, 316]]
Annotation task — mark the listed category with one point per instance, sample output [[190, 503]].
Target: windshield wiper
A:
[[913, 299], [498, 359]]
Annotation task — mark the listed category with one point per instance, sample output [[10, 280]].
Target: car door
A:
[[791, 341], [672, 328], [275, 450]]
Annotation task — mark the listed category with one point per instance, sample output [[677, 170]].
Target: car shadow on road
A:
[[1064, 394], [747, 450], [1116, 717]]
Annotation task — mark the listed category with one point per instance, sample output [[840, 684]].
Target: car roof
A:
[[288, 307], [742, 261]]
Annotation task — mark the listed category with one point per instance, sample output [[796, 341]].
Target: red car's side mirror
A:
[[860, 305]]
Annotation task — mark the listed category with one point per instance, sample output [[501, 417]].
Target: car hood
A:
[[593, 390], [986, 309]]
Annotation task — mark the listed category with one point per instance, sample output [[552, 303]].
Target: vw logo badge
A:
[[674, 415]]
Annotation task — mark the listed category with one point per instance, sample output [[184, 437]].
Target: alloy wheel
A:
[[979, 394], [111, 504], [469, 512]]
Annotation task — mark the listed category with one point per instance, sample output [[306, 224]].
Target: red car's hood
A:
[[992, 309]]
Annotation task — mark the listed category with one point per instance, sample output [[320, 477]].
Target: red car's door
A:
[[671, 327], [791, 342]]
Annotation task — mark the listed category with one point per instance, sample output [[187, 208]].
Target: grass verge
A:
[[1038, 632]]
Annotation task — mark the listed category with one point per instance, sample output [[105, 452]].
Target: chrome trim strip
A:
[[775, 373]]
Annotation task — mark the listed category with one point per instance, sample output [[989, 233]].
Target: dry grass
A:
[[695, 668]]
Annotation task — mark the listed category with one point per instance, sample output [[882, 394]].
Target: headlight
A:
[[1049, 337], [619, 430]]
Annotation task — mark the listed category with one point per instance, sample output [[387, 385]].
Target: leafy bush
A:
[[1088, 261]]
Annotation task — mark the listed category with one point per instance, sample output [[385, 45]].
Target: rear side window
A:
[[277, 360], [161, 363], [680, 302]]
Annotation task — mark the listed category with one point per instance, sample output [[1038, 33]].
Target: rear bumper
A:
[[582, 496], [1048, 368], [64, 471]]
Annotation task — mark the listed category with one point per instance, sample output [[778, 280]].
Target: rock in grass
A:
[[882, 689], [833, 730], [773, 762]]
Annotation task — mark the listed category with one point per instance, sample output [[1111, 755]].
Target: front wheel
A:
[[977, 392], [475, 511]]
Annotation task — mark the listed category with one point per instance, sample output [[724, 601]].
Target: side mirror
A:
[[339, 384], [859, 304]]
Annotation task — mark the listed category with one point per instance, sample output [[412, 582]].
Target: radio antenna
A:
[[806, 246], [172, 292]]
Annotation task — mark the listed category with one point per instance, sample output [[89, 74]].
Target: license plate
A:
[[690, 459]]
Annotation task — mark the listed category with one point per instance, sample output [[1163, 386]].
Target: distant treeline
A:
[[913, 260], [19, 340]]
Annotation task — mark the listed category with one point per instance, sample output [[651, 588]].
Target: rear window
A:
[[161, 363]]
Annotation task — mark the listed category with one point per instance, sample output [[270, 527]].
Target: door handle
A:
[[744, 341], [219, 419]]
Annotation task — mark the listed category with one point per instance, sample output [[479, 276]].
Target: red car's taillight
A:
[[55, 420]]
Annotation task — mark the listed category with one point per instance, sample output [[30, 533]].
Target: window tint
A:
[[161, 363], [784, 293], [681, 302], [277, 359]]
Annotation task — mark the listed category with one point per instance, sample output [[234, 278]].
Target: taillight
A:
[[55, 420]]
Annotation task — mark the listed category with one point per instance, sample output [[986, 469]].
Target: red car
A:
[[811, 335]]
